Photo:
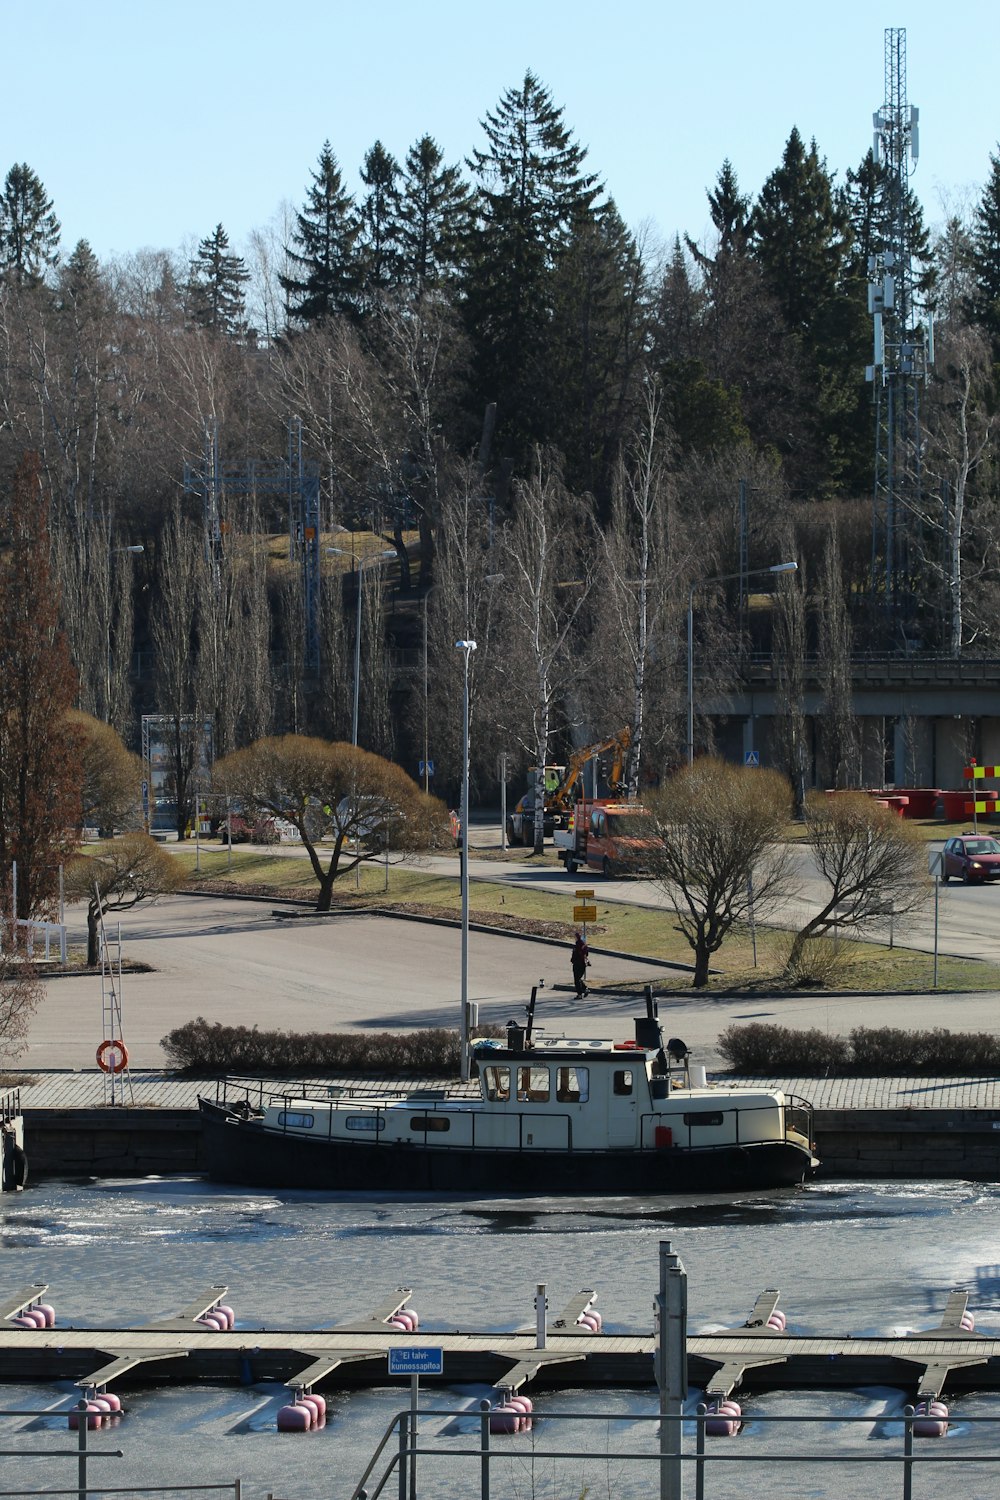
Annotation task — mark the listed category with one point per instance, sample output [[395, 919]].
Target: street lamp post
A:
[[783, 567], [467, 648], [363, 563]]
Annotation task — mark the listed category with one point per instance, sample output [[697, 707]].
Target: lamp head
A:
[[786, 567], [465, 645]]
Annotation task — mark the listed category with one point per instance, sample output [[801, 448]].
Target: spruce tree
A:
[[326, 233], [983, 307], [29, 229], [434, 217], [379, 223], [215, 288], [531, 191]]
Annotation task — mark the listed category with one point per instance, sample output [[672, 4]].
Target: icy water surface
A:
[[861, 1259]]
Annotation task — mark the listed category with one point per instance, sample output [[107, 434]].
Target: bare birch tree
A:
[[548, 547]]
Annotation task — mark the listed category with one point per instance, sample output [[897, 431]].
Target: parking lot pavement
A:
[[237, 963]]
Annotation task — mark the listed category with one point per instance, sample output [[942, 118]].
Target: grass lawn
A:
[[864, 967]]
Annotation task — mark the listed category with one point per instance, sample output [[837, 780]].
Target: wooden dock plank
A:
[[194, 1310], [16, 1304], [385, 1310], [125, 1362]]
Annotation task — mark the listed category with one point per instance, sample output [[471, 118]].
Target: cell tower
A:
[[903, 350]]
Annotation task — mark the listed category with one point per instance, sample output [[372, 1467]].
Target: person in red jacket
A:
[[580, 960]]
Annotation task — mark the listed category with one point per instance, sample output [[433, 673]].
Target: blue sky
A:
[[151, 124]]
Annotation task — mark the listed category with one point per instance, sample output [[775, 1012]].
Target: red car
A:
[[972, 857]]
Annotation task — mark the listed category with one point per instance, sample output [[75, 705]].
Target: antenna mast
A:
[[903, 348]]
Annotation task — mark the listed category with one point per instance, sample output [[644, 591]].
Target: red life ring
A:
[[119, 1059]]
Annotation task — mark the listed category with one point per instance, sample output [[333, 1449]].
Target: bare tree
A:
[[548, 550], [839, 724], [21, 992], [127, 870], [714, 846], [634, 623], [962, 422], [112, 776], [360, 801], [178, 685], [873, 862], [789, 654]]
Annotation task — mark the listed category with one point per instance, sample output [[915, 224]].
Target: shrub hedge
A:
[[209, 1047], [868, 1052]]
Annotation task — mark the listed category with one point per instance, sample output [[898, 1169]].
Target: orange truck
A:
[[606, 835]]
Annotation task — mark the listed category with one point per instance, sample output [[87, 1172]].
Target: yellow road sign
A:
[[582, 895], [585, 914]]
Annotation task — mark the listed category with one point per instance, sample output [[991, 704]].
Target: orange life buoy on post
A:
[[117, 1062]]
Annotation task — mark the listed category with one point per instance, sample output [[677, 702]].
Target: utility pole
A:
[[671, 1367]]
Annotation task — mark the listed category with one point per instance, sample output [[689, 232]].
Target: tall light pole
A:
[[112, 551], [467, 648], [363, 563], [784, 567]]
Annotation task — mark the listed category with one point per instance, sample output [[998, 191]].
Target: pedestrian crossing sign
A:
[[751, 757]]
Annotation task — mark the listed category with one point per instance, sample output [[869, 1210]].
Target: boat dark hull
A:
[[241, 1151]]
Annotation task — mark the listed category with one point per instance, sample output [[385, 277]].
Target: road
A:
[[968, 916]]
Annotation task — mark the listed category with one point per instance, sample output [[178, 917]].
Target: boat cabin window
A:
[[496, 1082], [572, 1085], [623, 1081], [705, 1117], [364, 1122], [294, 1119], [532, 1085], [430, 1122]]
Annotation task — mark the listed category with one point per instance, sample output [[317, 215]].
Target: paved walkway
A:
[[87, 1090]]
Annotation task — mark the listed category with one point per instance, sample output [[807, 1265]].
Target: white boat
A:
[[554, 1115]]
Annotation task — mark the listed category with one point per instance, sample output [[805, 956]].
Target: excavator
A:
[[562, 787]]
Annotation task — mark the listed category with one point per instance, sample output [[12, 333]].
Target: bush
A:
[[878, 1052], [209, 1047], [759, 1048], [819, 961]]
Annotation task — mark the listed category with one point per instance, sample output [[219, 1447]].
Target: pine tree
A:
[[983, 306], [29, 229], [730, 212], [532, 190], [215, 288], [434, 217], [326, 233], [801, 241], [379, 223]]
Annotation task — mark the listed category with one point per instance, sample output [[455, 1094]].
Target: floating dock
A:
[[551, 1353]]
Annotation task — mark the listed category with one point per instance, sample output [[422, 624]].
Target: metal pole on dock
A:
[[82, 1423], [541, 1308], [671, 1367]]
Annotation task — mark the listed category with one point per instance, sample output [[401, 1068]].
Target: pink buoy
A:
[[505, 1418], [967, 1321], [113, 1401], [24, 1321], [930, 1419], [47, 1311], [397, 1323], [405, 1320], [316, 1405], [723, 1419], [210, 1320], [93, 1413], [294, 1418], [523, 1405], [223, 1310], [415, 1316], [777, 1320]]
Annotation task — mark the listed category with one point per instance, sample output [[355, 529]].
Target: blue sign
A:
[[428, 766], [410, 1361], [751, 757]]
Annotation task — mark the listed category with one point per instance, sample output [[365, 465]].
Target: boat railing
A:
[[10, 1106], [709, 1114]]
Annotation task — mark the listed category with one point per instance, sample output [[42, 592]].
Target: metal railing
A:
[[797, 1117], [10, 1106], [84, 1455], [908, 1460]]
